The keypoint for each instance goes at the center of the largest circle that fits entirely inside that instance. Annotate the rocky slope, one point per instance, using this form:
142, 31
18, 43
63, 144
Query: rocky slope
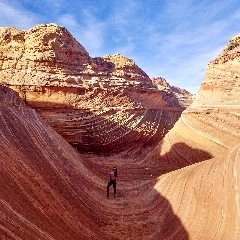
204, 146
186, 188
212, 121
220, 88
96, 104
43, 191
184, 97
50, 191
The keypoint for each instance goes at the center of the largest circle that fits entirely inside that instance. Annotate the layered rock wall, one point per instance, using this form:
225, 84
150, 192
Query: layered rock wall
42, 185
186, 188
203, 149
94, 103
212, 121
205, 198
221, 86
49, 191
184, 97
52, 192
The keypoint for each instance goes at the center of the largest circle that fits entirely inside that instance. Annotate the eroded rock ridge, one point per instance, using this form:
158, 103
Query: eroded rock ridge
184, 97
97, 104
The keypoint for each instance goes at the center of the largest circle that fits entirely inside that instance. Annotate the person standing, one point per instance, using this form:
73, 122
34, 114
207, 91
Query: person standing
112, 180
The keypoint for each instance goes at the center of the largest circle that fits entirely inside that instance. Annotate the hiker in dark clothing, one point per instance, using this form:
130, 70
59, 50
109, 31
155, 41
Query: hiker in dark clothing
112, 181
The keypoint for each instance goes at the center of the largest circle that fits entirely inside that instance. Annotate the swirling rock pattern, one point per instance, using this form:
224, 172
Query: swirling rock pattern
205, 197
203, 148
186, 188
79, 96
39, 175
211, 123
50, 191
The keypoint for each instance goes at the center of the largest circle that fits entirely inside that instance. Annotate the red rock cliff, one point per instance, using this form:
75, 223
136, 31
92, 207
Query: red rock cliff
42, 182
184, 97
96, 104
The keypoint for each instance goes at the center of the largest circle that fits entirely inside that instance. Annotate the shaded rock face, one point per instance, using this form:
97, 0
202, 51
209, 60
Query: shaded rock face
9, 97
205, 195
96, 104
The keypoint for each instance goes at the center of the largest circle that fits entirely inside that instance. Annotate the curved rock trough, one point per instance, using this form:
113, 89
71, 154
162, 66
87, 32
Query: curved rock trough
178, 177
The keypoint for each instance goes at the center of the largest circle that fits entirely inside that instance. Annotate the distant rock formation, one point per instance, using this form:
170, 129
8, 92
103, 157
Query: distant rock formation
96, 104
184, 97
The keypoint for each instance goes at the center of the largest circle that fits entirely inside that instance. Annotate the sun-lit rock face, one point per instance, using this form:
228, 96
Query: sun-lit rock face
221, 87
203, 149
186, 188
96, 104
126, 68
211, 123
205, 197
184, 97
50, 191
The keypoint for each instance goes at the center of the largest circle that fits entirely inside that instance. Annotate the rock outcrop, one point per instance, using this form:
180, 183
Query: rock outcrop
212, 121
220, 88
96, 104
184, 97
203, 148
50, 191
186, 188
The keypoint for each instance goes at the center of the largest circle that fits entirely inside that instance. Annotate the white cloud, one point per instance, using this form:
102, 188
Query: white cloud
89, 32
16, 17
182, 53
68, 21
124, 12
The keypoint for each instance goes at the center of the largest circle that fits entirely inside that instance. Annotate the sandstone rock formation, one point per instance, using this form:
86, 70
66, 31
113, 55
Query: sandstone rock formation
186, 188
205, 198
220, 88
204, 146
43, 193
52, 192
184, 97
212, 121
96, 104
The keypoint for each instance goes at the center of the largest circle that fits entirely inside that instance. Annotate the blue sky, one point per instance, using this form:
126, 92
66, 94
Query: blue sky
167, 38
